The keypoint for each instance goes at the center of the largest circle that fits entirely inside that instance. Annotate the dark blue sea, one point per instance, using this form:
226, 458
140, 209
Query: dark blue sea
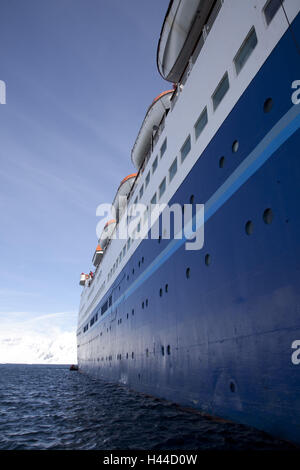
50, 407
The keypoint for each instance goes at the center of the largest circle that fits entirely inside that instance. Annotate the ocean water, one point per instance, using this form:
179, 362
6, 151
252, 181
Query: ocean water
50, 407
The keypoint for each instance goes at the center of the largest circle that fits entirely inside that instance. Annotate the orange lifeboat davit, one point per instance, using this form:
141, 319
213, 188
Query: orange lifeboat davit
153, 117
120, 199
182, 27
107, 232
97, 256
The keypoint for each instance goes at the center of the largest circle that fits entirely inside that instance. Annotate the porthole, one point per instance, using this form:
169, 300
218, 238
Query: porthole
127, 356
139, 264
192, 199
127, 277
207, 259
166, 287
168, 350
143, 305
146, 302
147, 352
127, 315
235, 146
133, 271
162, 351
132, 311
249, 227
142, 259
132, 355
268, 104
160, 292
232, 387
268, 216
159, 239
188, 273
222, 162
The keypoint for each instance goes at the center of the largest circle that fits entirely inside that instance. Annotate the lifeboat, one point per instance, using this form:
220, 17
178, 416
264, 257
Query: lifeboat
151, 121
182, 27
125, 186
107, 232
97, 256
83, 278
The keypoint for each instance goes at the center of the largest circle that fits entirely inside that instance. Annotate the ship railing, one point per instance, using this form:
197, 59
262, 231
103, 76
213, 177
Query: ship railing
201, 41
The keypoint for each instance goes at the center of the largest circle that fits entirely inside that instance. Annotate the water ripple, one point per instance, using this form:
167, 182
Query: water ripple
49, 407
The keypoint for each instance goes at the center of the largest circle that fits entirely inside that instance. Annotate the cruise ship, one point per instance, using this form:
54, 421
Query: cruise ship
215, 326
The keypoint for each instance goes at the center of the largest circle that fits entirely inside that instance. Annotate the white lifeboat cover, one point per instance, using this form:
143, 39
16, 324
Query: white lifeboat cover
180, 31
107, 232
97, 255
153, 117
123, 190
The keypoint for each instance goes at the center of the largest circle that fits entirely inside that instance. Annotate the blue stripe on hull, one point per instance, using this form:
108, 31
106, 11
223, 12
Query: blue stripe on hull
229, 326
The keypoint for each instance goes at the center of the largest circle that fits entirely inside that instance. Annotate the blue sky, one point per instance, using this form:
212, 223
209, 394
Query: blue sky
79, 77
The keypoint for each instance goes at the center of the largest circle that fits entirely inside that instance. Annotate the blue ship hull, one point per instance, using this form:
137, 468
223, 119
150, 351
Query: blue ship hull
220, 340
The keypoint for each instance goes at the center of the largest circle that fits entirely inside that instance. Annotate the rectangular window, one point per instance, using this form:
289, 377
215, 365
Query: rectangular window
153, 200
163, 148
104, 308
154, 165
141, 191
147, 179
245, 51
185, 148
136, 200
162, 187
270, 9
124, 250
173, 170
128, 243
220, 91
201, 123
